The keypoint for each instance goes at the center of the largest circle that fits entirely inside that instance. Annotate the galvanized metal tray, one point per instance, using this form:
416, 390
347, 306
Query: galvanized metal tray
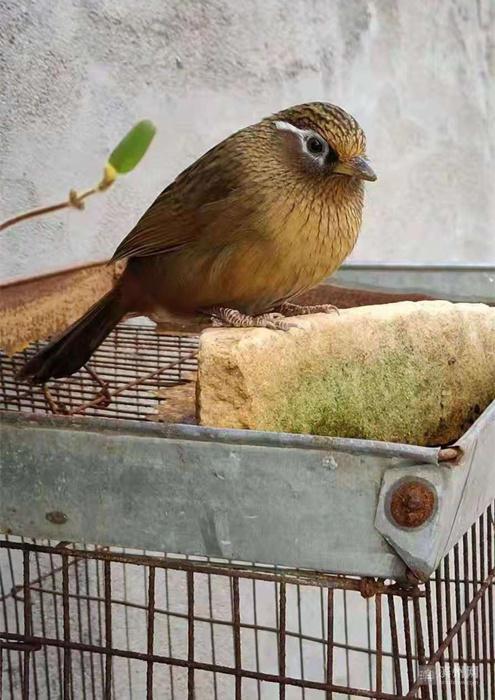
329, 504
297, 501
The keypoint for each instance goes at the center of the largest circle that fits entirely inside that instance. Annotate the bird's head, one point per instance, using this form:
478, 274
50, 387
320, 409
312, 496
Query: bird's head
323, 140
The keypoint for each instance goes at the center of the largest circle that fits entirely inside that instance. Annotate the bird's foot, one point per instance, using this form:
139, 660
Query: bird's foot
298, 310
222, 316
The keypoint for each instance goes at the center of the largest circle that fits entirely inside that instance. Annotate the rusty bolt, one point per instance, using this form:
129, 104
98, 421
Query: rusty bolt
56, 517
412, 503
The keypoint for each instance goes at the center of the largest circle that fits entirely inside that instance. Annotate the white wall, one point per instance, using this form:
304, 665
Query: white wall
76, 74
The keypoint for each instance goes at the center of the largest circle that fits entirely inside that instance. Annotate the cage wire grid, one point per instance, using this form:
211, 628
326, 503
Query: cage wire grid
123, 379
80, 621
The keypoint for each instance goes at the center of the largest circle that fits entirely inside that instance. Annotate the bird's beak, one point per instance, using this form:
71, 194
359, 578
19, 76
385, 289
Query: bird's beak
356, 167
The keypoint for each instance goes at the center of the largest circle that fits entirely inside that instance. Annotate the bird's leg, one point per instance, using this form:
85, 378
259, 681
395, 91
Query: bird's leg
224, 316
287, 309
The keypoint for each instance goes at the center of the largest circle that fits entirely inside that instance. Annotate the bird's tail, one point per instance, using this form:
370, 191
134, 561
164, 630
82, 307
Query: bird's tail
69, 351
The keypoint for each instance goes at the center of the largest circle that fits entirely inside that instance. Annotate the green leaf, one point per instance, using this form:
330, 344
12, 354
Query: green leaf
133, 146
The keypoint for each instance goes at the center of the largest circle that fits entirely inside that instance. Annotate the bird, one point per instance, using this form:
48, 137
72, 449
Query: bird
263, 216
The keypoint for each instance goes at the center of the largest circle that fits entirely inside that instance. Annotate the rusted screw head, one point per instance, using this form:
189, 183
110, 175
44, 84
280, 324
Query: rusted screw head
412, 503
56, 517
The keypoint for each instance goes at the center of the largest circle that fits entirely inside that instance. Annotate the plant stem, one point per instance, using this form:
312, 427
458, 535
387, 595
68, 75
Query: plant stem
31, 214
75, 200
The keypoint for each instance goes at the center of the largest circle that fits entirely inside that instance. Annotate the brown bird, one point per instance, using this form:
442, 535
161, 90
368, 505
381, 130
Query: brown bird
261, 217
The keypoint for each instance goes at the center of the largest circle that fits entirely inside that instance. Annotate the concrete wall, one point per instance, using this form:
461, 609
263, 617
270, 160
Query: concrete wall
76, 74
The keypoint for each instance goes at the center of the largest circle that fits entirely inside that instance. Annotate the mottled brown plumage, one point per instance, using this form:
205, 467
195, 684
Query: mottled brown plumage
260, 218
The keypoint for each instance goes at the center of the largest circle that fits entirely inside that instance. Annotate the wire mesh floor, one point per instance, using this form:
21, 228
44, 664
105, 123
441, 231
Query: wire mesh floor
123, 379
88, 622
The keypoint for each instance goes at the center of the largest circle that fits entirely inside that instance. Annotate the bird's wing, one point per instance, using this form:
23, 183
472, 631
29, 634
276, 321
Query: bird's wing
156, 231
175, 219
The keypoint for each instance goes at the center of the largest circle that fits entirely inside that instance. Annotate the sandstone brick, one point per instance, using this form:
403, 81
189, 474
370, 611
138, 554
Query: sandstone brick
412, 372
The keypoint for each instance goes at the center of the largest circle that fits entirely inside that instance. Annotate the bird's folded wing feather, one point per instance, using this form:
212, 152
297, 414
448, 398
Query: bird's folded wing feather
159, 230
182, 212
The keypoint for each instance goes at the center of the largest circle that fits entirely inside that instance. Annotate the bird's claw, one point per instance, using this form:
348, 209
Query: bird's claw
289, 309
328, 309
279, 325
231, 317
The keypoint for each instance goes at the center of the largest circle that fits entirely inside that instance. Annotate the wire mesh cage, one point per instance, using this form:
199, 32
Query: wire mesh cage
95, 621
123, 380
92, 623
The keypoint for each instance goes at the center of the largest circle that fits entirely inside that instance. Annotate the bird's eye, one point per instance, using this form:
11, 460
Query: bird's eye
315, 145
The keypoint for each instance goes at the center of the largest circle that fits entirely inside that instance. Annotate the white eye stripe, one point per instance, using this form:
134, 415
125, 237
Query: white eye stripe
286, 126
304, 136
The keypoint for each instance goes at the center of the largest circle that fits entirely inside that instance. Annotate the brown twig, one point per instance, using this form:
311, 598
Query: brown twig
106, 396
31, 214
105, 391
54, 407
75, 200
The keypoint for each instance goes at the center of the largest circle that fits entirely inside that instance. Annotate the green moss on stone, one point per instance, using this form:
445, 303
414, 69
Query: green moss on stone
346, 401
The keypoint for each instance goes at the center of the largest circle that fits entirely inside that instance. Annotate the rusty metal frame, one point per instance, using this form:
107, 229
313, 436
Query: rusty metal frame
434, 630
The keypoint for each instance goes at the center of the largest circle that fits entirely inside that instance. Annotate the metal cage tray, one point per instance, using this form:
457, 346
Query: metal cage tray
292, 500
298, 501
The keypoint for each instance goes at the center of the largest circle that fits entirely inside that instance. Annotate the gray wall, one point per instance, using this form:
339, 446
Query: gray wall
75, 74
